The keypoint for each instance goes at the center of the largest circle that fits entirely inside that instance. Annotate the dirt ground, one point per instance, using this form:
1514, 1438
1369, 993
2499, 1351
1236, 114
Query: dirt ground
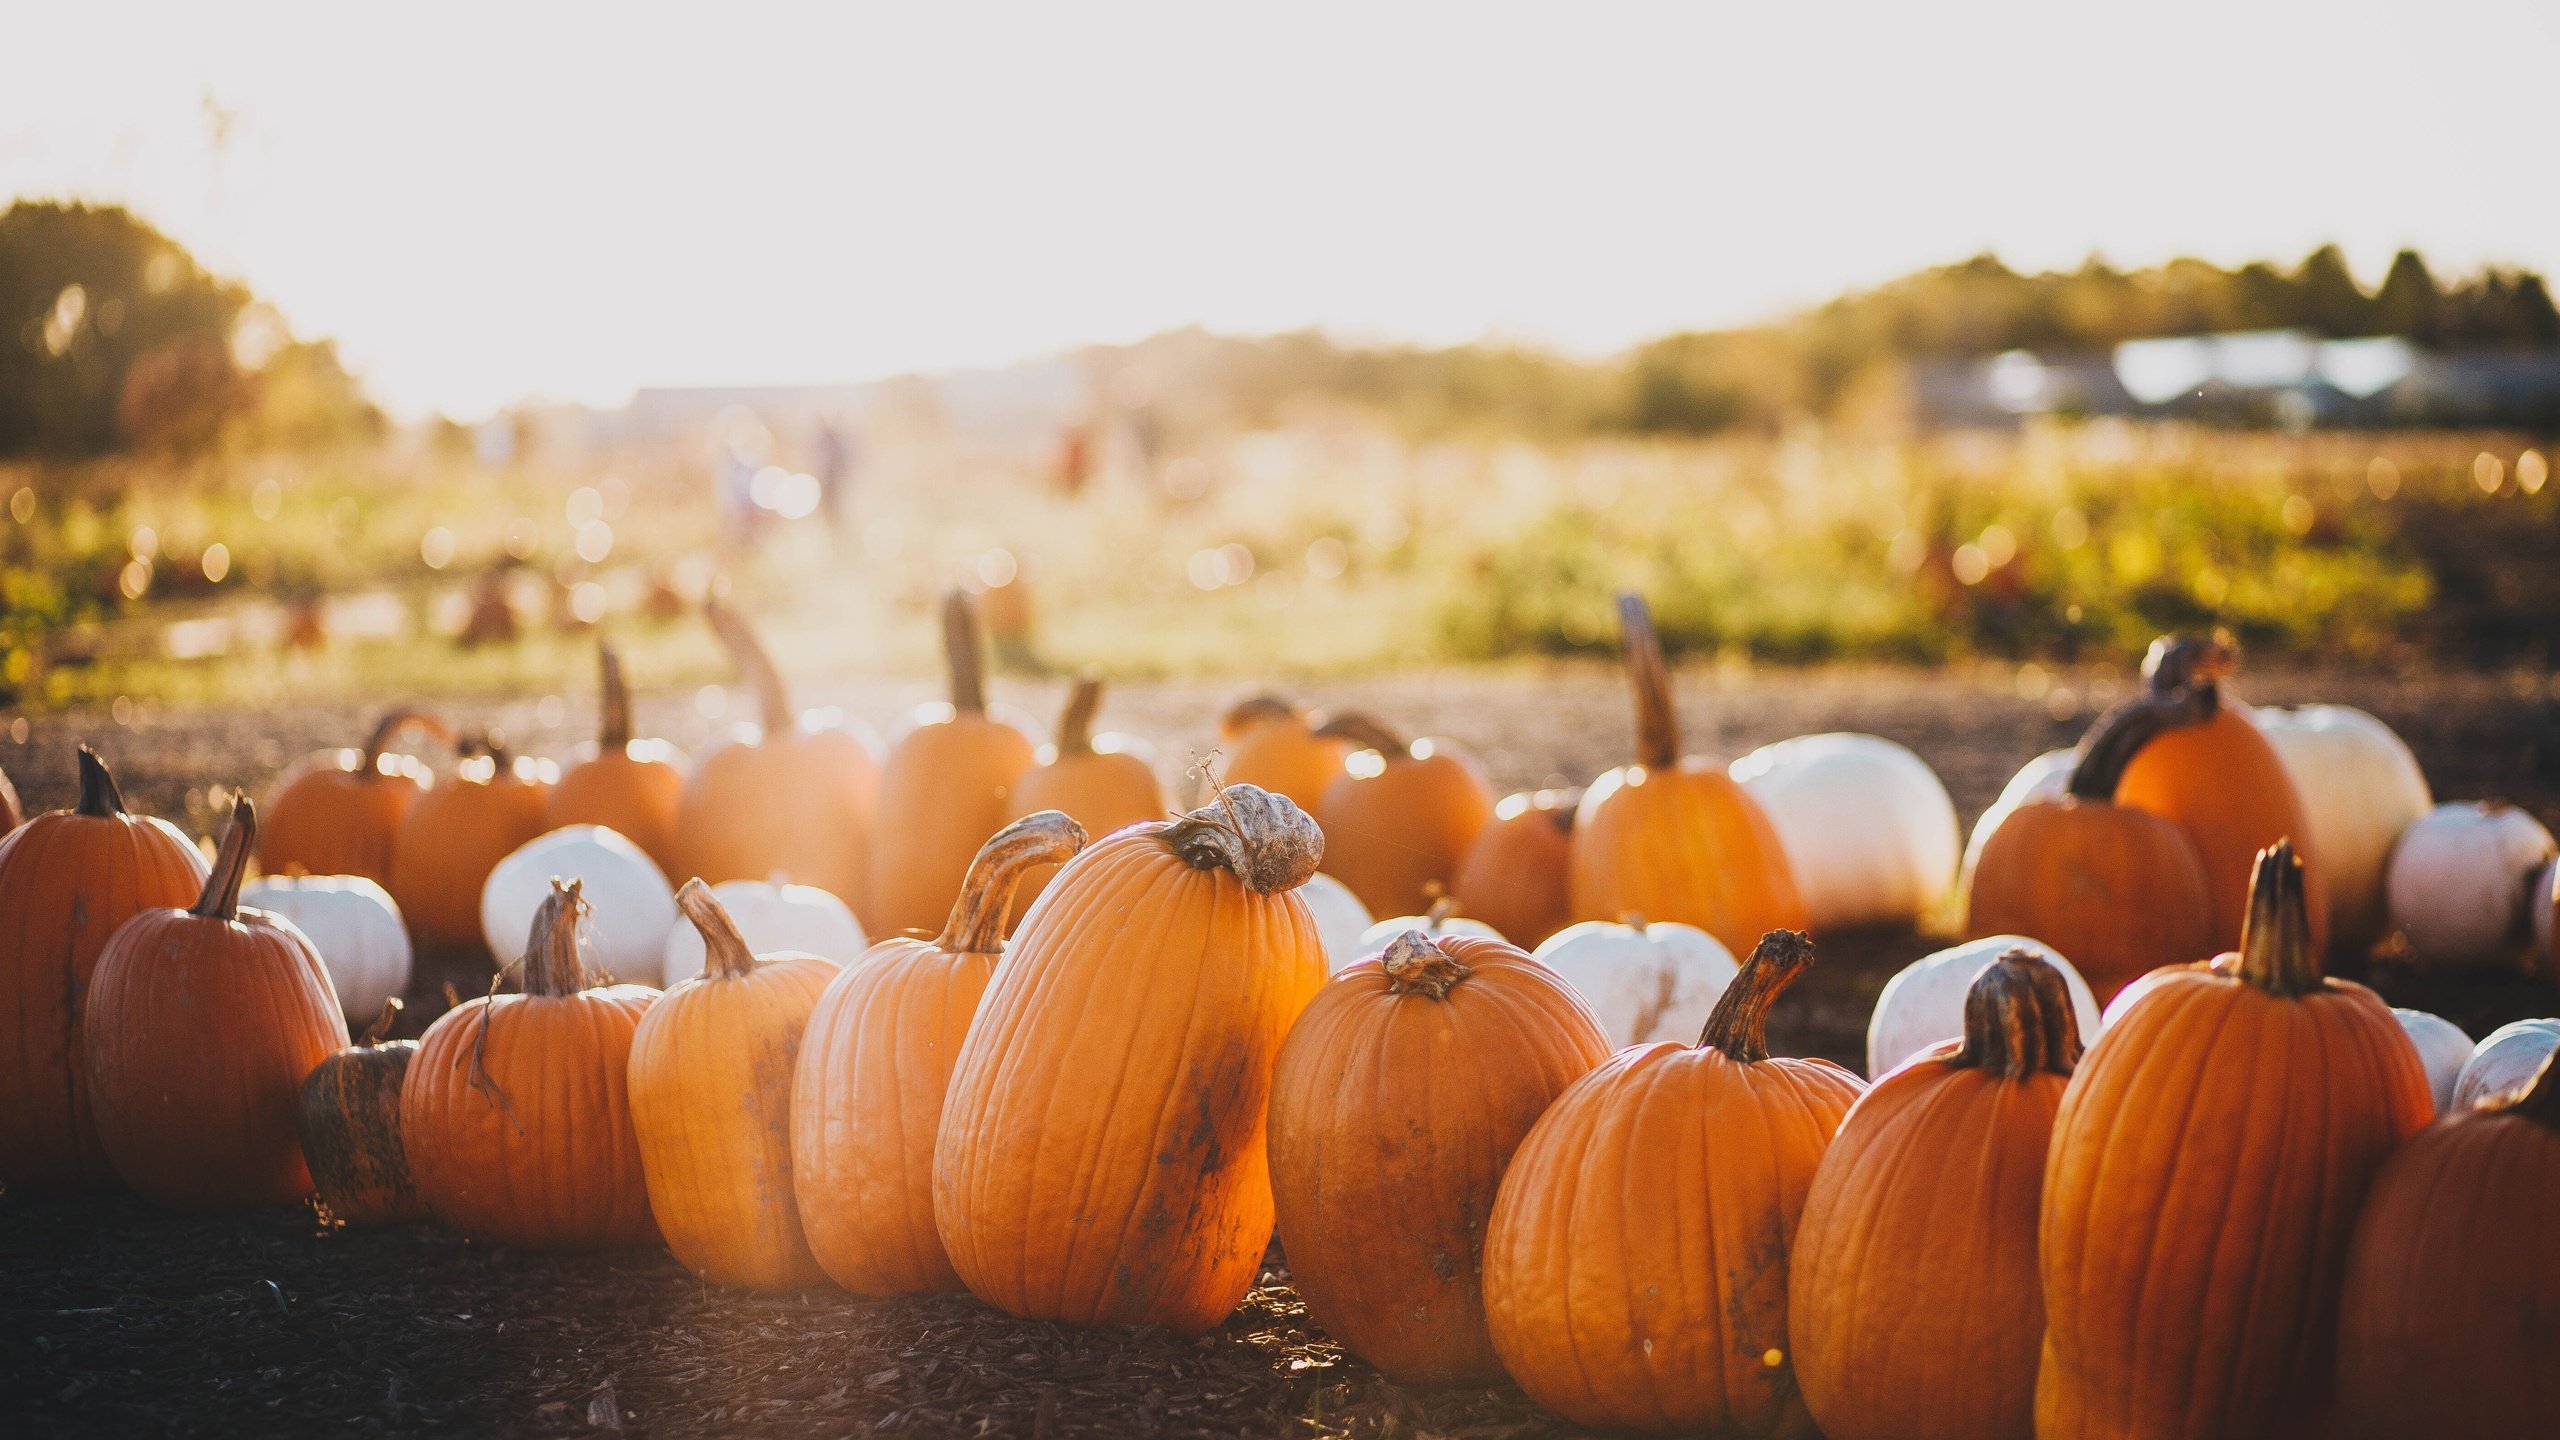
115, 1320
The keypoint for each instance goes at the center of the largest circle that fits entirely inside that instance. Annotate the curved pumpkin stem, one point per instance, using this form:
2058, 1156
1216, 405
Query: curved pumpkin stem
1739, 1025
1256, 710
1262, 839
554, 962
1436, 919
2121, 733
1416, 966
755, 666
725, 952
965, 649
2276, 953
1075, 723
2018, 1019
1366, 731
1657, 723
613, 723
2539, 1101
976, 926
383, 1022
99, 795
2190, 662
220, 899
390, 728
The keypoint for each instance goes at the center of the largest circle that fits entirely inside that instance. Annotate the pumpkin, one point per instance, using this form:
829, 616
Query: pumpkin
769, 918
1395, 1105
2450, 1322
1272, 743
354, 925
634, 788
10, 814
947, 786
201, 1025
630, 909
1635, 1265
516, 1112
1925, 1003
2360, 788
1913, 1299
2463, 882
2442, 1048
455, 835
337, 812
711, 1068
1101, 1153
68, 879
2046, 777
1399, 816
1673, 838
794, 800
2504, 1059
1441, 920
1102, 782
2206, 1166
876, 1065
1518, 875
1644, 982
348, 1119
2546, 916
1867, 827
1342, 922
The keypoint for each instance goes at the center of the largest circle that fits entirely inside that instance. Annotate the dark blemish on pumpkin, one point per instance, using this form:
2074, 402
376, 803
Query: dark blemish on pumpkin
1444, 1265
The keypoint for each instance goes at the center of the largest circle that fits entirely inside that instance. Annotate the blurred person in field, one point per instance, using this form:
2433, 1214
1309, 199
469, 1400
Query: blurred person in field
838, 459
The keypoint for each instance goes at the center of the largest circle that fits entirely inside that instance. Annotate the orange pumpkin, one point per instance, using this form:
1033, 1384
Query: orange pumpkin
1913, 1299
1272, 743
516, 1113
1635, 1268
877, 1062
1102, 784
336, 813
67, 880
10, 814
947, 786
711, 1068
1101, 1156
1518, 875
349, 1121
795, 800
1399, 817
2207, 1164
635, 787
1677, 839
1396, 1104
456, 833
202, 1024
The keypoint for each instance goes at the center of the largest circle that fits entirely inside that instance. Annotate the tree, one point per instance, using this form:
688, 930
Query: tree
2327, 298
2406, 304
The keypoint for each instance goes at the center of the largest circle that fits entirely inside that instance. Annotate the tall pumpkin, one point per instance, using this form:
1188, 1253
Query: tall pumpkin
877, 1062
1101, 782
456, 833
1396, 1104
201, 1025
1101, 1156
349, 1119
336, 812
1635, 1268
1273, 743
1913, 1300
67, 880
1673, 838
516, 1113
711, 1068
1518, 875
632, 787
2207, 1164
1399, 816
947, 786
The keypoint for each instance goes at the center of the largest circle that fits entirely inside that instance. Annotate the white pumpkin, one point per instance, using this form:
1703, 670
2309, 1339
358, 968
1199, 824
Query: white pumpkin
2044, 777
1923, 1003
2546, 916
356, 928
772, 917
1654, 983
2442, 1047
1866, 826
2505, 1060
1375, 938
2461, 880
2360, 788
631, 907
1340, 919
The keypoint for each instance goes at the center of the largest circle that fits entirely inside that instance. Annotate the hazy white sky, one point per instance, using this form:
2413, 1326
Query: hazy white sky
483, 202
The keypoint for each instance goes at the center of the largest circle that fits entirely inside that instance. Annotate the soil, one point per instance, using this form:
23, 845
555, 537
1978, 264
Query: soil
118, 1320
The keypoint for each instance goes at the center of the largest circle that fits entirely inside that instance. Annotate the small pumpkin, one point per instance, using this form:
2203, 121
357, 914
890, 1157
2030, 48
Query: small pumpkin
2360, 788
348, 1118
2463, 881
1926, 1001
338, 812
634, 788
1395, 1106
1672, 838
455, 835
877, 1063
1635, 1265
2504, 1059
1518, 875
202, 1024
1913, 1299
631, 910
1399, 816
1441, 921
1868, 828
1341, 920
1102, 782
1644, 982
354, 925
711, 1068
1273, 743
769, 918
2442, 1047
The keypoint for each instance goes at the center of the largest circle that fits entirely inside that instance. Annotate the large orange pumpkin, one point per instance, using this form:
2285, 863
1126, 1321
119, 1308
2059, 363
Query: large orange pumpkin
2207, 1164
1396, 1104
336, 812
634, 787
1398, 817
1101, 783
516, 1113
947, 786
456, 833
1518, 875
876, 1064
349, 1121
1273, 743
711, 1068
1101, 1156
1913, 1300
1670, 838
67, 880
201, 1025
1635, 1268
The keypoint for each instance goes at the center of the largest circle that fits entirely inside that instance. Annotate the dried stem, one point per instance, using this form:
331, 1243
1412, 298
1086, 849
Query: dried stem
390, 728
725, 952
2276, 953
755, 666
1263, 839
220, 899
1657, 723
965, 649
1075, 723
99, 797
613, 724
2018, 1019
1255, 710
1739, 1025
382, 1023
1366, 731
554, 960
1415, 965
2539, 1100
976, 926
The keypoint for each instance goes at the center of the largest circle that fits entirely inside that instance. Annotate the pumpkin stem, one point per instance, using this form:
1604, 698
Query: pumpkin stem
99, 797
755, 666
2276, 953
554, 962
962, 646
976, 926
725, 952
2121, 733
613, 724
1263, 839
220, 899
383, 1022
1739, 1025
1366, 731
1416, 966
1657, 723
1075, 723
1436, 919
389, 728
2190, 662
1255, 710
2539, 1100
2018, 1019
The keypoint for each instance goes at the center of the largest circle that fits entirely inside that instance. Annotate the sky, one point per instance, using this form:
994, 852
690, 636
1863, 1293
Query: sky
485, 203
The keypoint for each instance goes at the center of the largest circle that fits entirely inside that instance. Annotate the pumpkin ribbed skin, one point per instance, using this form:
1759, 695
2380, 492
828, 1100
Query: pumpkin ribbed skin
947, 787
67, 880
349, 1119
1101, 1157
1518, 875
1101, 787
2118, 891
1394, 1110
454, 835
336, 813
2224, 784
1269, 743
1398, 822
